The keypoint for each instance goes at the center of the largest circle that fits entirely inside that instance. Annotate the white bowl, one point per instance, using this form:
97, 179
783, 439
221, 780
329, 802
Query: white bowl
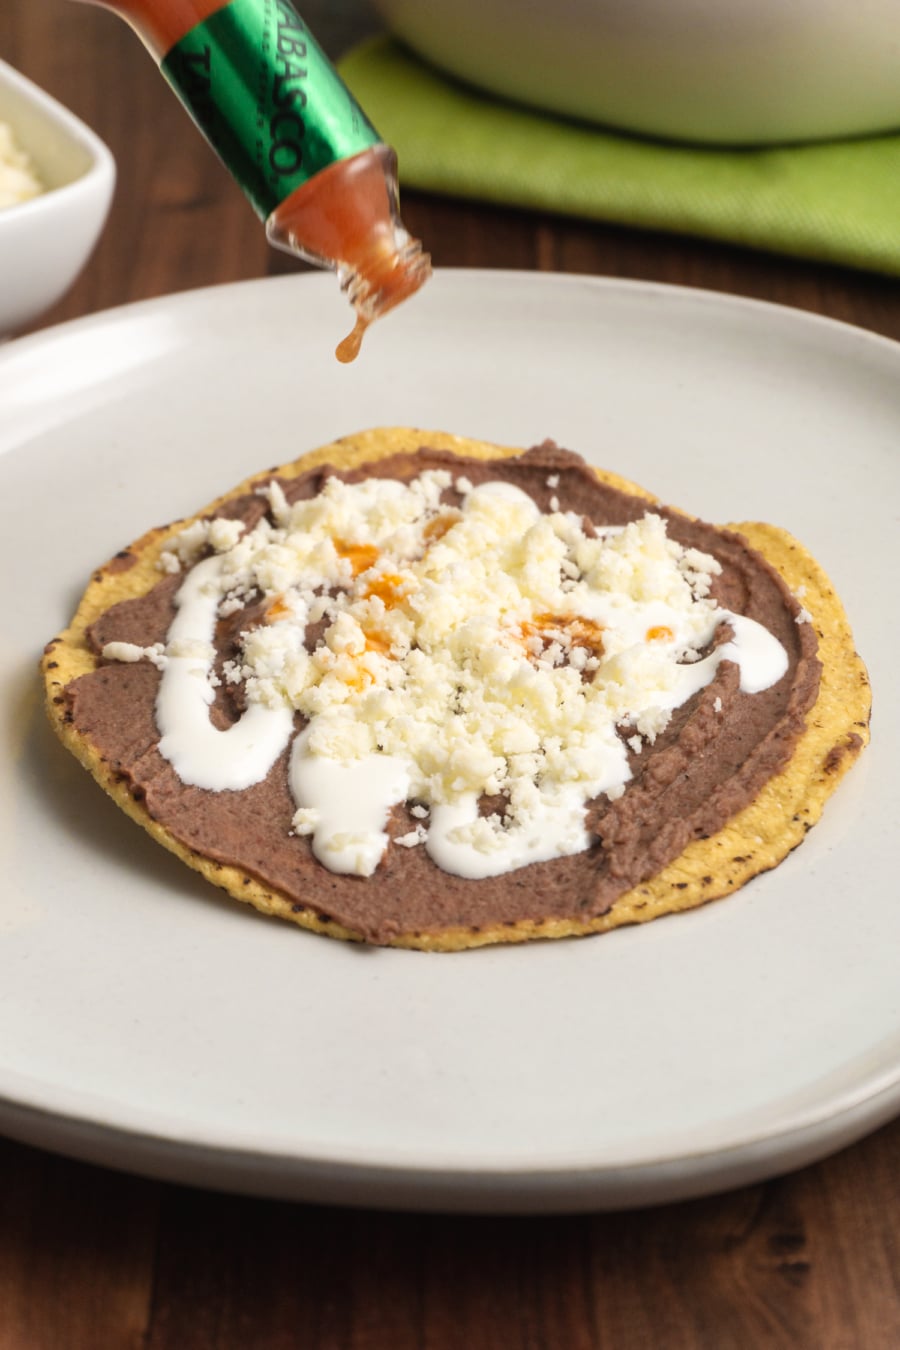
45, 242
715, 71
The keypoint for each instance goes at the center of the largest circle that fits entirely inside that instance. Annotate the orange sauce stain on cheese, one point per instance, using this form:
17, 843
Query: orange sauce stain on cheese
388, 587
438, 526
360, 556
576, 629
378, 642
277, 610
362, 677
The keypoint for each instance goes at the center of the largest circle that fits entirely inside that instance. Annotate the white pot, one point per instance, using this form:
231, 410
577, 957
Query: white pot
718, 71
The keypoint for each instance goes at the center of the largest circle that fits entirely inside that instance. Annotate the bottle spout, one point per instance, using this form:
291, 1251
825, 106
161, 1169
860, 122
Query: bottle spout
381, 282
347, 218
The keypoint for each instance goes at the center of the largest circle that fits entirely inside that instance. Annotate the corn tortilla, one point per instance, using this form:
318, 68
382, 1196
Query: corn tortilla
754, 840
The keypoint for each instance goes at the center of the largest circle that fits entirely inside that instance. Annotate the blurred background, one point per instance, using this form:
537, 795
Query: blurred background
755, 222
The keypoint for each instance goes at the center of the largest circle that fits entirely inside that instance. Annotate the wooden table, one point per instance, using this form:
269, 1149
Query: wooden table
93, 1259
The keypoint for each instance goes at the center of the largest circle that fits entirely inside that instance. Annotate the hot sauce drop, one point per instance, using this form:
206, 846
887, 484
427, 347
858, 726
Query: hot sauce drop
273, 107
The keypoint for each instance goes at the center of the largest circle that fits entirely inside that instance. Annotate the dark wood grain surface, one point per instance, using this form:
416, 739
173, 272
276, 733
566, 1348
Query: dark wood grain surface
93, 1259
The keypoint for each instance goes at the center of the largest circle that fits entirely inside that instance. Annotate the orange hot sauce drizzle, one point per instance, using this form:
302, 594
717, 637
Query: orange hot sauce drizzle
348, 348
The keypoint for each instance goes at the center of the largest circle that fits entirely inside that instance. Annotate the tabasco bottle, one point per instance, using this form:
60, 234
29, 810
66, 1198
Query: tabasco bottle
264, 94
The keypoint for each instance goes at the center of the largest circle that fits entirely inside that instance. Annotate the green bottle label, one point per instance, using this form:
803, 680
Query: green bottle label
266, 97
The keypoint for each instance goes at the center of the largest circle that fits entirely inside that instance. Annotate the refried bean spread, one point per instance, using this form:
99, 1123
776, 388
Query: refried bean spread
438, 855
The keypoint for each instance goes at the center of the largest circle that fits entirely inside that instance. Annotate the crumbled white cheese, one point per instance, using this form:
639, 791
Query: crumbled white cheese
18, 181
224, 534
490, 650
416, 836
803, 616
305, 820
499, 653
190, 543
230, 605
130, 652
218, 534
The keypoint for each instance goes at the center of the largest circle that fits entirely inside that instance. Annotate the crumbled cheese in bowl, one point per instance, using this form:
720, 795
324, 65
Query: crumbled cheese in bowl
18, 181
489, 663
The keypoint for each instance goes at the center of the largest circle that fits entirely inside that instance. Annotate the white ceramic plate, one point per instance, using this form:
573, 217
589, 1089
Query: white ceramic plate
148, 1022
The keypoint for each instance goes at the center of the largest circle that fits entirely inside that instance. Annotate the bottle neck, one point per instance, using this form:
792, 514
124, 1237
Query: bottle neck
348, 218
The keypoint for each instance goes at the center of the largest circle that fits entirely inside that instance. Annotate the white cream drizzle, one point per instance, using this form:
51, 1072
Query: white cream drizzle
201, 754
349, 804
371, 748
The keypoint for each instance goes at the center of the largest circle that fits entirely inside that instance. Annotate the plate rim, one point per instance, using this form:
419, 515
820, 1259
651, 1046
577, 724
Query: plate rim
436, 1188
635, 286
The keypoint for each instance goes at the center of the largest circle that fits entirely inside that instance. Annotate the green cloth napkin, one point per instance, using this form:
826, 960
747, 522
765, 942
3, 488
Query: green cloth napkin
837, 202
